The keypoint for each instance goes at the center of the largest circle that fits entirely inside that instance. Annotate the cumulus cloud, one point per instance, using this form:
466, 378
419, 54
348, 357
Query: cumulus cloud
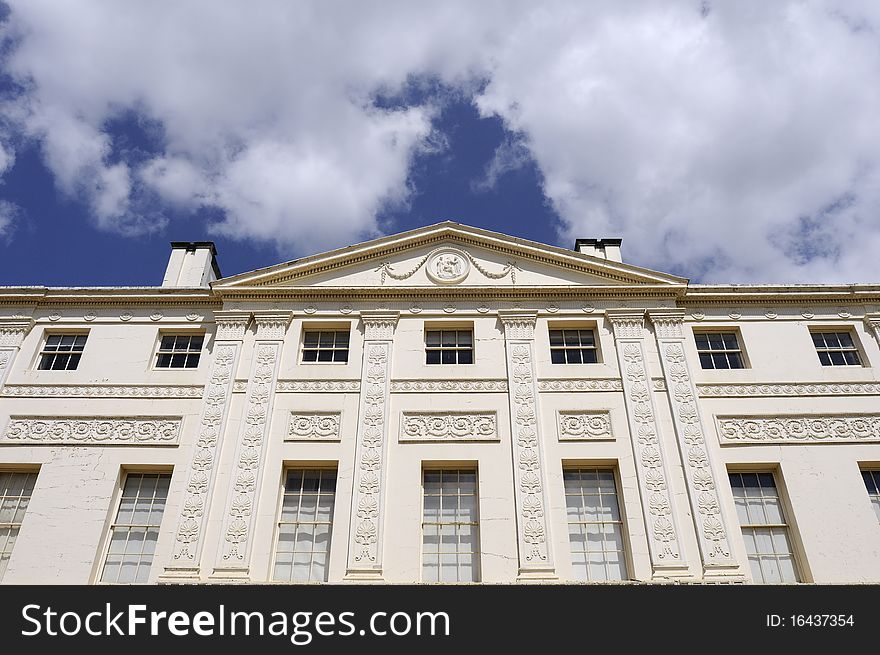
10, 213
724, 141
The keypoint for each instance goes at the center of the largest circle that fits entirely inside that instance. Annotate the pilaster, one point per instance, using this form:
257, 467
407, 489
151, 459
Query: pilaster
185, 565
12, 333
233, 558
706, 509
368, 493
664, 546
533, 530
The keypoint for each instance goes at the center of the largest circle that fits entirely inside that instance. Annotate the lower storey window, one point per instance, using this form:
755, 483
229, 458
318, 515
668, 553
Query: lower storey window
450, 526
15, 494
872, 483
134, 533
595, 529
306, 524
764, 527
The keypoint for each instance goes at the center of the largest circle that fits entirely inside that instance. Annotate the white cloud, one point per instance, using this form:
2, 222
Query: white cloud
10, 214
730, 141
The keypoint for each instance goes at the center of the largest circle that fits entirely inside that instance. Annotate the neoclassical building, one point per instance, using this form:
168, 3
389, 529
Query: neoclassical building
447, 404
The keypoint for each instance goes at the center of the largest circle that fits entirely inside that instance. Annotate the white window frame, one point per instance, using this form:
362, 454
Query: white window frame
474, 526
60, 333
740, 349
276, 537
574, 328
178, 333
114, 523
620, 522
457, 348
856, 347
321, 329
5, 548
785, 526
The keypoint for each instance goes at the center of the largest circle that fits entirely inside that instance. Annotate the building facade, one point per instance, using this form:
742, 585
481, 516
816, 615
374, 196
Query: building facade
443, 405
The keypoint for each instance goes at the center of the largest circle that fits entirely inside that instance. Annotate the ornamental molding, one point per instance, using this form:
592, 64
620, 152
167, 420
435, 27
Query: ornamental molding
379, 326
240, 508
784, 429
448, 426
272, 326
102, 390
584, 425
447, 266
13, 332
873, 322
231, 325
518, 325
535, 554
565, 385
365, 546
668, 324
757, 389
650, 467
202, 472
701, 484
311, 386
94, 430
314, 426
448, 386
627, 324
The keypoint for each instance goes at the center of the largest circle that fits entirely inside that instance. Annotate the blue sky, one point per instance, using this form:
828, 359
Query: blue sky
726, 142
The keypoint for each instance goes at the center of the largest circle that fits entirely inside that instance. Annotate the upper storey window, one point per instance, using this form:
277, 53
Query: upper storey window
179, 350
573, 347
836, 349
62, 352
325, 346
449, 347
719, 350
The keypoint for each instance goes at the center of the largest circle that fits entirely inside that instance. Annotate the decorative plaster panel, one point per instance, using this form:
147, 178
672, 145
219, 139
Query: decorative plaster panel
789, 389
84, 430
448, 426
313, 426
451, 386
827, 428
584, 426
564, 385
103, 391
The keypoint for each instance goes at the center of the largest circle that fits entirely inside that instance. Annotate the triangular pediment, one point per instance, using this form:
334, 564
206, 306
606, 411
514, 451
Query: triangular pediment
449, 255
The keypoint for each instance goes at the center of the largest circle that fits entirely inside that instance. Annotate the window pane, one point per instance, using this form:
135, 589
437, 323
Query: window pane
557, 356
432, 338
310, 355
706, 361
432, 357
310, 339
735, 360
572, 356
465, 356
305, 526
325, 355
465, 338
589, 356
448, 356
556, 338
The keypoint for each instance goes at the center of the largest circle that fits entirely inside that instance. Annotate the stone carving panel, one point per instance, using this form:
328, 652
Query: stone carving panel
117, 430
448, 426
313, 426
781, 429
584, 426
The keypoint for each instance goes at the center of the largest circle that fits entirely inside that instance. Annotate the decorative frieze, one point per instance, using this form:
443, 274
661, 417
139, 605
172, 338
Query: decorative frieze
535, 554
103, 390
584, 426
379, 326
90, 430
13, 332
757, 389
310, 386
785, 429
448, 386
565, 385
662, 531
448, 426
701, 484
313, 426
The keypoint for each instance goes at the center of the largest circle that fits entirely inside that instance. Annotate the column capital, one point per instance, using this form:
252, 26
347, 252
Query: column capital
272, 326
379, 326
627, 323
13, 331
231, 324
873, 322
668, 323
518, 325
